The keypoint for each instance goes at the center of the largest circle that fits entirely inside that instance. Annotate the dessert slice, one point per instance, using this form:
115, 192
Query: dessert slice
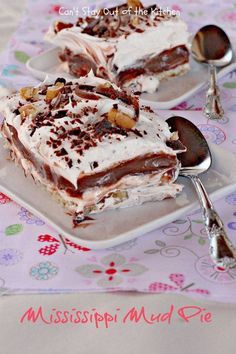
132, 46
89, 145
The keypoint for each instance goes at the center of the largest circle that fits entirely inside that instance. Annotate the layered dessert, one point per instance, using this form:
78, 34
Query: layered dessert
88, 143
133, 46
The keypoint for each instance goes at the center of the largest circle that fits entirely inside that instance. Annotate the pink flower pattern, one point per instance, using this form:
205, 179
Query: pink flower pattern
112, 270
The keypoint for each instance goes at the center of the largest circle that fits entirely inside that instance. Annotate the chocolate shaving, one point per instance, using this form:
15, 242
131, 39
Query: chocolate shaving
59, 26
104, 127
70, 163
74, 131
94, 164
16, 111
60, 114
60, 79
90, 28
137, 132
61, 152
33, 131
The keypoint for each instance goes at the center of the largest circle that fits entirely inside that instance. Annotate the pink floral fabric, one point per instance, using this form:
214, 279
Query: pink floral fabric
35, 259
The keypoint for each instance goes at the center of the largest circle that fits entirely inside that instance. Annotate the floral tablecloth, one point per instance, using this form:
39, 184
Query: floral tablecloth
35, 259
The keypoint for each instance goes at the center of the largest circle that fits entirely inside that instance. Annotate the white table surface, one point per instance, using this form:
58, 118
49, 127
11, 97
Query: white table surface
178, 337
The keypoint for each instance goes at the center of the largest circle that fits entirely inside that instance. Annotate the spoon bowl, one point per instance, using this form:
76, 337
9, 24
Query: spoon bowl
194, 161
211, 45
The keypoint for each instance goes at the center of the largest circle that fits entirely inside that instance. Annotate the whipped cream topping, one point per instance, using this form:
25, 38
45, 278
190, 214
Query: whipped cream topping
138, 46
71, 135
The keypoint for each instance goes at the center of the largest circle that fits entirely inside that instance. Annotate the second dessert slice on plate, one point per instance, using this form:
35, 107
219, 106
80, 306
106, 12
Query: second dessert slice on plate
133, 46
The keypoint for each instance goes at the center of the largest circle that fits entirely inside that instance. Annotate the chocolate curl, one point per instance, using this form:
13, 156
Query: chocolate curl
109, 91
130, 100
85, 94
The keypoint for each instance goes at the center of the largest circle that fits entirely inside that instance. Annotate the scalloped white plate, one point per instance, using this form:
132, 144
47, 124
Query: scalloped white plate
115, 227
171, 92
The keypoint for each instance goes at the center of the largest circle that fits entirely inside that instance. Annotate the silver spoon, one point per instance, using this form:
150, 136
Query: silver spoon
211, 45
196, 160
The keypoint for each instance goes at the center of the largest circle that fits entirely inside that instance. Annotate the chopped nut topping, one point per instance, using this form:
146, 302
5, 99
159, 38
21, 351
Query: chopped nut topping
29, 93
27, 110
135, 4
53, 91
135, 21
120, 119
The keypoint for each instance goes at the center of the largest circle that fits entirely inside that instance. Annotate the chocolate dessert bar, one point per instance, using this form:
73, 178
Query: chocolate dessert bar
90, 145
133, 46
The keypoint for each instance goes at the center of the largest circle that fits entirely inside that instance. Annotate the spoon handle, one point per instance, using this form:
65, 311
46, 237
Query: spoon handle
213, 108
222, 250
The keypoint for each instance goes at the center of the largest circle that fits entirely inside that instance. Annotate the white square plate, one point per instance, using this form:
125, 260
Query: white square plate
170, 93
114, 227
